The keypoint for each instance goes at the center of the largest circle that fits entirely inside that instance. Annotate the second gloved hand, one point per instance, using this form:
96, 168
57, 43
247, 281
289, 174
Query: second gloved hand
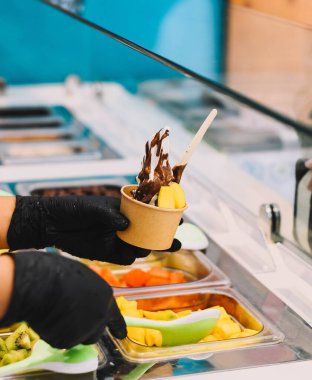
62, 300
82, 226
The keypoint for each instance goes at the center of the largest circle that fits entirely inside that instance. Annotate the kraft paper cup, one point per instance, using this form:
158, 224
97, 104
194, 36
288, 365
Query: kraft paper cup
150, 227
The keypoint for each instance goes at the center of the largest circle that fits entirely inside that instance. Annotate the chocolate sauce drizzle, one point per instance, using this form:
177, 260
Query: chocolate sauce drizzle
177, 172
150, 183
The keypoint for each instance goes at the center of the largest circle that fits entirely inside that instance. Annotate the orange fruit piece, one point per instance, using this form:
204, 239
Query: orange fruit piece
109, 277
156, 281
176, 277
159, 272
135, 278
96, 269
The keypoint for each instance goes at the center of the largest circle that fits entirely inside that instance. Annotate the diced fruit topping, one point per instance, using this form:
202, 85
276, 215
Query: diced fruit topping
171, 196
226, 327
137, 277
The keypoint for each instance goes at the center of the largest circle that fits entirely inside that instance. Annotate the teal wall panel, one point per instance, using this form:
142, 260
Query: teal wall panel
40, 44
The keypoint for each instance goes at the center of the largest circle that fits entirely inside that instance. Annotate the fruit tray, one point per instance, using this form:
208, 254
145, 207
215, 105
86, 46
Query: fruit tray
238, 308
196, 268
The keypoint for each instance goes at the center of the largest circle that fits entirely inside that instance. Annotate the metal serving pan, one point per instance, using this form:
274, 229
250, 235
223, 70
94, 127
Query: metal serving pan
49, 151
37, 123
198, 271
93, 186
235, 305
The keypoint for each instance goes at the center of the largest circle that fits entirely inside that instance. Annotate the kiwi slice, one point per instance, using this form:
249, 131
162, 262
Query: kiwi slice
33, 336
18, 345
3, 348
14, 356
18, 339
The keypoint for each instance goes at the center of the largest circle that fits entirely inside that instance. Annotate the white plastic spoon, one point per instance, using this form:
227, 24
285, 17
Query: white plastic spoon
180, 166
185, 330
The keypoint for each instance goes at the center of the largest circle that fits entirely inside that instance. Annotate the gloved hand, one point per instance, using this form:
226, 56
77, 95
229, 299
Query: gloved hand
64, 301
84, 226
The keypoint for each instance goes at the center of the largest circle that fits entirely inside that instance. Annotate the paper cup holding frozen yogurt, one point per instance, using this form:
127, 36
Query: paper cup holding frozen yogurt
150, 226
155, 206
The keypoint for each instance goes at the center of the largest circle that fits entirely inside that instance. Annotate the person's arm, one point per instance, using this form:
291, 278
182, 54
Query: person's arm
6, 283
7, 206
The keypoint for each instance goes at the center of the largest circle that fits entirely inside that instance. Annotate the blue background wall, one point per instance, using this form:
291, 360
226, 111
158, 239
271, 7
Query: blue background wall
40, 44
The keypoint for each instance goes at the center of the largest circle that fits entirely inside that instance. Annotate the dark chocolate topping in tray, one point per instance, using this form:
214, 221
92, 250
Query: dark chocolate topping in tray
103, 190
162, 175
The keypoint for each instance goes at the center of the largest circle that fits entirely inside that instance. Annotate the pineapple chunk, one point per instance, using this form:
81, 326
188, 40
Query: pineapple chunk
153, 338
183, 313
225, 329
209, 338
137, 334
163, 315
124, 304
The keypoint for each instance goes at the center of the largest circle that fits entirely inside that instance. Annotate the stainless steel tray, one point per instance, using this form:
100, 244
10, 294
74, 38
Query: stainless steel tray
37, 123
69, 187
235, 305
198, 270
17, 153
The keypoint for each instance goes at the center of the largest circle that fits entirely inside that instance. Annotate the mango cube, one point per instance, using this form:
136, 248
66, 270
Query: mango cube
153, 338
225, 329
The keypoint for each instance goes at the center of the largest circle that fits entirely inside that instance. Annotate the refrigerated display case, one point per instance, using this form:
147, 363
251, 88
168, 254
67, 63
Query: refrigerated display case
240, 187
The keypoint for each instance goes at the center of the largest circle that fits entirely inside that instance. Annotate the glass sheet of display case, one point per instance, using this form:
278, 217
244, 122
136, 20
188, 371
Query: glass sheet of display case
224, 45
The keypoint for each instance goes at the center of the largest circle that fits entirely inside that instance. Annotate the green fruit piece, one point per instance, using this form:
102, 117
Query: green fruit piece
3, 348
179, 196
33, 336
166, 197
163, 315
24, 341
14, 356
13, 342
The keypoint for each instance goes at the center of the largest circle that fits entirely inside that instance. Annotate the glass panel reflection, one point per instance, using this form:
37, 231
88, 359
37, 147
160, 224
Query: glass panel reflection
256, 58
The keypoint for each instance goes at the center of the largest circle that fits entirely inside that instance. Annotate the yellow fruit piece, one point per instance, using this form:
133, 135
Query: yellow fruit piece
183, 313
137, 334
171, 196
163, 315
225, 329
217, 336
223, 314
235, 335
153, 338
209, 338
132, 313
179, 196
166, 197
124, 304
249, 332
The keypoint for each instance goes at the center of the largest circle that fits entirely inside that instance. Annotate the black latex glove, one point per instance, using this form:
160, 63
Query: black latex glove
64, 301
84, 226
